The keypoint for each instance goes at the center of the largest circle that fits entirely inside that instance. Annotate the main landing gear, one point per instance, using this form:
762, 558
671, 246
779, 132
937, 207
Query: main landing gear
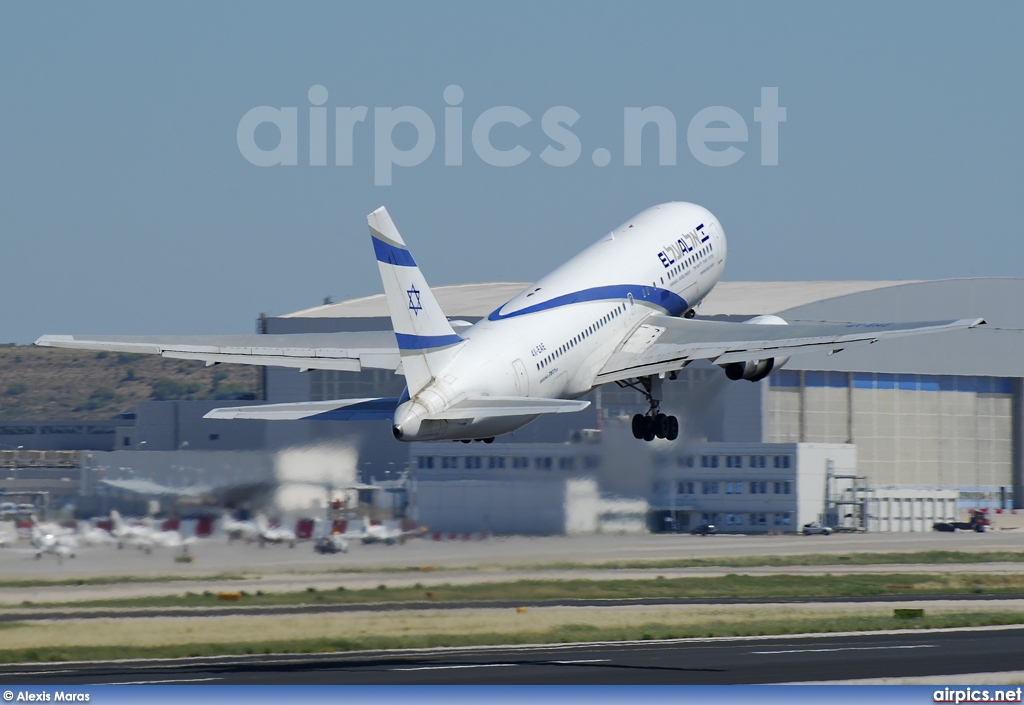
653, 424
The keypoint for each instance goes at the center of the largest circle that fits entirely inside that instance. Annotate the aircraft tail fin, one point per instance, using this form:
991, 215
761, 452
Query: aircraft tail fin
425, 338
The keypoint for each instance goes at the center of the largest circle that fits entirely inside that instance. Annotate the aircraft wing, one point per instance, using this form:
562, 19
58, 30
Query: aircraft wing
349, 351
663, 343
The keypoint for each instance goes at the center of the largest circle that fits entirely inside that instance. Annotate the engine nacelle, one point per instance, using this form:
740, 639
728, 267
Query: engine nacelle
756, 370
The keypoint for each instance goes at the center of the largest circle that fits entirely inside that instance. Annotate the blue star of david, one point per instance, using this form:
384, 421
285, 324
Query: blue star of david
414, 300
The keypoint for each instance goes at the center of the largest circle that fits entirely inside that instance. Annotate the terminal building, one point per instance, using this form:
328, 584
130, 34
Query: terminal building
887, 437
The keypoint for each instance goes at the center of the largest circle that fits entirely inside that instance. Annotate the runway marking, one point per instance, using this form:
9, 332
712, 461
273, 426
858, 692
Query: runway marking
584, 660
847, 648
466, 665
169, 680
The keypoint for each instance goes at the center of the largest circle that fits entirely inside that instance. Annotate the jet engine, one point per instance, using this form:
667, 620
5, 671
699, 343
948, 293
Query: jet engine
756, 370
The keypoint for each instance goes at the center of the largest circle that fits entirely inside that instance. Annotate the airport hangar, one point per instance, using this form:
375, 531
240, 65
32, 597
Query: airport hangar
887, 438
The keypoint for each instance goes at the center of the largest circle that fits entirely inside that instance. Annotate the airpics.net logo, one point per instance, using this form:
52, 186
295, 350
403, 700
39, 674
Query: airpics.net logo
712, 134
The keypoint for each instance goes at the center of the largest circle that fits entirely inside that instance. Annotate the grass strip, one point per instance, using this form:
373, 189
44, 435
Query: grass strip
562, 634
728, 586
808, 559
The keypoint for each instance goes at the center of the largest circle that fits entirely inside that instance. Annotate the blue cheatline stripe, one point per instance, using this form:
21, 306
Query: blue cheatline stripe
383, 408
673, 303
425, 342
392, 255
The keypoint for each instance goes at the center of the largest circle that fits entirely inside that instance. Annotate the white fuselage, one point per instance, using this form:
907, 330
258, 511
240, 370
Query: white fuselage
554, 338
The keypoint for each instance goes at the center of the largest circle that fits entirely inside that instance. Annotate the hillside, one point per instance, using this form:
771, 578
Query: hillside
48, 383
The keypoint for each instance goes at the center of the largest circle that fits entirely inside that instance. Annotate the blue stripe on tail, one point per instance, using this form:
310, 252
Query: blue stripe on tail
425, 342
389, 254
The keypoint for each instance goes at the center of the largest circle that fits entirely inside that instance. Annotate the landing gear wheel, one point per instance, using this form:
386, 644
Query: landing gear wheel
660, 425
638, 426
672, 428
648, 429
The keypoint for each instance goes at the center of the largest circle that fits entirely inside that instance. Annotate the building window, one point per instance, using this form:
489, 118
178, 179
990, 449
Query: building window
709, 461
758, 461
566, 463
214, 436
781, 461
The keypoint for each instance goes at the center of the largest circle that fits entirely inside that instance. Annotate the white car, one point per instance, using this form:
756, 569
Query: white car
816, 529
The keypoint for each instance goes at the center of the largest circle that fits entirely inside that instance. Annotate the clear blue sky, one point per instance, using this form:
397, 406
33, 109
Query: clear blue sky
128, 206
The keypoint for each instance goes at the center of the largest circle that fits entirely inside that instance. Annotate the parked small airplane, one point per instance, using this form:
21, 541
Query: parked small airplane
620, 311
145, 537
89, 535
238, 529
386, 533
60, 545
274, 534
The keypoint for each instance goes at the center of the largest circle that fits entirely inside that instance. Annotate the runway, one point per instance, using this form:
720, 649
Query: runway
223, 566
721, 661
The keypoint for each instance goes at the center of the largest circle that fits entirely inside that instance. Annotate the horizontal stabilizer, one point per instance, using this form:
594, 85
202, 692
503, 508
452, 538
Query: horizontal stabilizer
480, 407
333, 410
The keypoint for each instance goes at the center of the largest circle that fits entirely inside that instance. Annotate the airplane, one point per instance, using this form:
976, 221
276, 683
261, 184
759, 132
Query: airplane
273, 534
145, 537
245, 530
384, 533
60, 545
94, 535
621, 311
